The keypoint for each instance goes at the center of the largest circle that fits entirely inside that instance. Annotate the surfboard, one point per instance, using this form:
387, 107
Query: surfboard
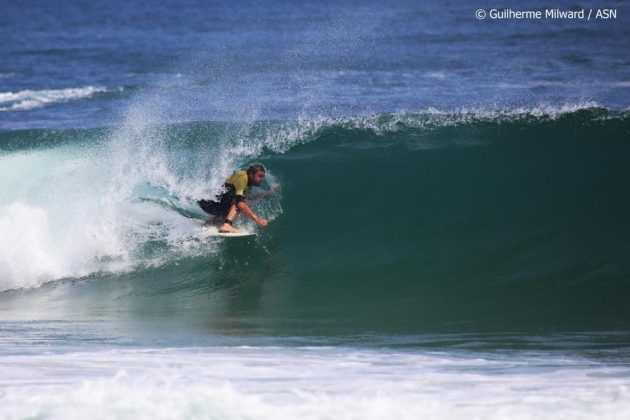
211, 230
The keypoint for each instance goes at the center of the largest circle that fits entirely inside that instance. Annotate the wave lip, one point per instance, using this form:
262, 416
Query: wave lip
31, 99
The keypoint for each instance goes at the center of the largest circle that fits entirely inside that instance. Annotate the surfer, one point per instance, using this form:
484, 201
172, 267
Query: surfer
233, 199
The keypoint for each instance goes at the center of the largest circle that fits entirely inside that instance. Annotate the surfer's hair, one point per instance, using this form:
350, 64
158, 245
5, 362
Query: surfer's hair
253, 168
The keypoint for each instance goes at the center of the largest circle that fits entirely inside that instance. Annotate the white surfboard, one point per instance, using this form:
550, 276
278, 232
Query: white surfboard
211, 230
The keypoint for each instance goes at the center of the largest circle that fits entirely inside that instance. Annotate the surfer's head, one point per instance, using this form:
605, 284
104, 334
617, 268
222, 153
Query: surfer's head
256, 174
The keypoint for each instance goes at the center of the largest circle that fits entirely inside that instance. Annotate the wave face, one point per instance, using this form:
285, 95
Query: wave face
395, 222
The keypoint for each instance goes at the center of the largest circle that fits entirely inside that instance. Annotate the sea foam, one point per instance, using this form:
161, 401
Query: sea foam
31, 99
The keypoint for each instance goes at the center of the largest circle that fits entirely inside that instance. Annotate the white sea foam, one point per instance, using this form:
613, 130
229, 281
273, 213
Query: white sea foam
66, 212
31, 99
309, 383
435, 75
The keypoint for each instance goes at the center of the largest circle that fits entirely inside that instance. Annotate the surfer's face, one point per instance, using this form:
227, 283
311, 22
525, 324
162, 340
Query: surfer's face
257, 178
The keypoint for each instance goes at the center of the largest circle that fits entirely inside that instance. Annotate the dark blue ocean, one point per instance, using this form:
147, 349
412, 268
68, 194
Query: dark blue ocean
81, 64
450, 237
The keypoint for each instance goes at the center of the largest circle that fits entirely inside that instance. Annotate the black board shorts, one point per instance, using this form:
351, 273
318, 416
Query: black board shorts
220, 206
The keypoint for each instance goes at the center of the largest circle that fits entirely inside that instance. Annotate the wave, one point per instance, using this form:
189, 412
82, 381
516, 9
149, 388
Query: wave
31, 99
312, 383
475, 217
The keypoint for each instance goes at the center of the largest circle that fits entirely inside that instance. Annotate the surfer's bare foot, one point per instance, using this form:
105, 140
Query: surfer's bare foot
227, 228
209, 223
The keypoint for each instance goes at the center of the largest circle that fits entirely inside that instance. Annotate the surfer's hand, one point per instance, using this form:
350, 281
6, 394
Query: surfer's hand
262, 222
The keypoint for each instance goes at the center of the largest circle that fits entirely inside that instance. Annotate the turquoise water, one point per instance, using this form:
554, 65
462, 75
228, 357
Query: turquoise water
400, 224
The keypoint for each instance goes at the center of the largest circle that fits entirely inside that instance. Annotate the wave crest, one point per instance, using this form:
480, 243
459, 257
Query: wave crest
31, 99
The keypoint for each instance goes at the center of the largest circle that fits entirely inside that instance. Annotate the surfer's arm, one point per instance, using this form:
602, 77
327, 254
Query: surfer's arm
247, 211
254, 197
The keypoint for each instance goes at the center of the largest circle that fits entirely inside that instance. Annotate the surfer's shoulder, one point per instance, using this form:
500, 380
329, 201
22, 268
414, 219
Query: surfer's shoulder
236, 176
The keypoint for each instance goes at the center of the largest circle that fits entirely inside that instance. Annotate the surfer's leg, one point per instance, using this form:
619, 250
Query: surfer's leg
229, 218
216, 212
208, 206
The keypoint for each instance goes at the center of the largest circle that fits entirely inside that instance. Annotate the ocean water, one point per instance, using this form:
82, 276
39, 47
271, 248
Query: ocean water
450, 240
